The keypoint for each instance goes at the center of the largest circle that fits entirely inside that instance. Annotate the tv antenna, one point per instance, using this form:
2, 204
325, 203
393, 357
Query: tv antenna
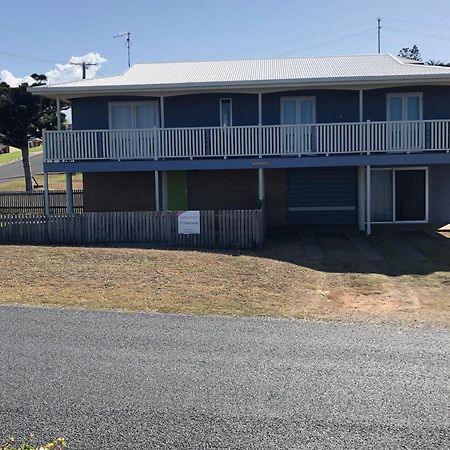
379, 33
127, 44
84, 65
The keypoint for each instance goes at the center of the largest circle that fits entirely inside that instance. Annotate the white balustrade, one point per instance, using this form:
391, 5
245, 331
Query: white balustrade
248, 141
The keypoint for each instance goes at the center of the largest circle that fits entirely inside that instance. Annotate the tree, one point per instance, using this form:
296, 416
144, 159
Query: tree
412, 53
23, 115
437, 62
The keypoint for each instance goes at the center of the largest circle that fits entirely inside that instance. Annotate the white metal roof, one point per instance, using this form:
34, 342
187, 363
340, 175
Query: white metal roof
254, 73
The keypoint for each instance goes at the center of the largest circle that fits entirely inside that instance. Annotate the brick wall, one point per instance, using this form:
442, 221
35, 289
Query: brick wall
208, 189
238, 189
119, 191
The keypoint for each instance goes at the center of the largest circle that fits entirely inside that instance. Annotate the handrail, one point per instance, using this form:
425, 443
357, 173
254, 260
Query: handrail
248, 141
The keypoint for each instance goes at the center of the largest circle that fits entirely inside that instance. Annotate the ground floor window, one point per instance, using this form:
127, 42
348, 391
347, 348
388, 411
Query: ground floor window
399, 195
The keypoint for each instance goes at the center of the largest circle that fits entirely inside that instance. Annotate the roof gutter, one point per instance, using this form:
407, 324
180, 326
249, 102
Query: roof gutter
356, 82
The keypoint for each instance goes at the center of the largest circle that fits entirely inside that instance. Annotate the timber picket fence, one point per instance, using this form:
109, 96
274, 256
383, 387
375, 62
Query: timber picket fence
241, 229
12, 202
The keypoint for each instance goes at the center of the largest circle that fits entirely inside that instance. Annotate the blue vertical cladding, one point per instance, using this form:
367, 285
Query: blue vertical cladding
91, 113
319, 189
436, 102
439, 194
197, 110
332, 106
203, 110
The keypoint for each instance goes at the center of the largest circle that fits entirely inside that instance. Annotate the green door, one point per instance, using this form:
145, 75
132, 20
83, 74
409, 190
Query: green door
178, 190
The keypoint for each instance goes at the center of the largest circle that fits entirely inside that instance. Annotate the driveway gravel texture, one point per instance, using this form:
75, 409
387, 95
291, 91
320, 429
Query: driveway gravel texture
114, 380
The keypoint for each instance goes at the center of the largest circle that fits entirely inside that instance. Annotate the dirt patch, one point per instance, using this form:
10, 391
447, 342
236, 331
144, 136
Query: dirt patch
196, 282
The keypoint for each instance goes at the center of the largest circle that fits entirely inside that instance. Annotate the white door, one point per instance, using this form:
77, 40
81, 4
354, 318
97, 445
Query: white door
298, 114
405, 110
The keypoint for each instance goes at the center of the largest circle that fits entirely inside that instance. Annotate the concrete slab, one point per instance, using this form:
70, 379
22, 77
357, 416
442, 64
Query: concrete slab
311, 246
364, 246
407, 250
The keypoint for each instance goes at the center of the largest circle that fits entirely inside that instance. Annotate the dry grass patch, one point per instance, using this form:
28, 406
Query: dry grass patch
217, 283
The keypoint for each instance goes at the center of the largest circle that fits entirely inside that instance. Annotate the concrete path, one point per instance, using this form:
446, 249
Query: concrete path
155, 381
15, 169
311, 245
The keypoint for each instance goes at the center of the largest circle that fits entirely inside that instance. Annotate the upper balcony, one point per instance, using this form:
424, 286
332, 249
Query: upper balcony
263, 141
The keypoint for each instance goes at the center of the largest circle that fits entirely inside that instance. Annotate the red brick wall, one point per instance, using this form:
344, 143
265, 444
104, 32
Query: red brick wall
119, 191
208, 189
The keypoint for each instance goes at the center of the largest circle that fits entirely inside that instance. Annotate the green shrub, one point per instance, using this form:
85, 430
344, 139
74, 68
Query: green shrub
57, 444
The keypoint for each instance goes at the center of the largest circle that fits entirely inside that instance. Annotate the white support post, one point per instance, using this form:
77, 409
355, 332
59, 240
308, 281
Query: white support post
69, 193
165, 191
46, 195
261, 189
361, 105
368, 199
161, 107
260, 143
58, 113
361, 198
157, 206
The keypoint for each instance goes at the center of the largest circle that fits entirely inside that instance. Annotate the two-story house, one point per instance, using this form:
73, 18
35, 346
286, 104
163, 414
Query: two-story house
320, 140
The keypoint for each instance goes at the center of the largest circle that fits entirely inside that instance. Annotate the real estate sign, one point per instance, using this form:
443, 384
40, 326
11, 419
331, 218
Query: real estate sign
189, 222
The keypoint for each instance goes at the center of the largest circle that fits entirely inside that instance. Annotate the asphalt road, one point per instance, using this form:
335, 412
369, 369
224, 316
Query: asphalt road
15, 169
154, 381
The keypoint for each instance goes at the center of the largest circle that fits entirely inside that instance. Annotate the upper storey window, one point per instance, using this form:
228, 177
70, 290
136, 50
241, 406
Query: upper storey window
132, 115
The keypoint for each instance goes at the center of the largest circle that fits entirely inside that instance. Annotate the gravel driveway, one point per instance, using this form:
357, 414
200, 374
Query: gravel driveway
111, 380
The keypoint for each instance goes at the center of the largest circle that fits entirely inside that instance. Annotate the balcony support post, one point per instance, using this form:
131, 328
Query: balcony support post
261, 189
165, 190
368, 200
260, 144
58, 113
69, 193
361, 198
46, 195
157, 205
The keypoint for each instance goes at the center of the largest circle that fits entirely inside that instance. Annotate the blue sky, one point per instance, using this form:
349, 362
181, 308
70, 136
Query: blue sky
168, 30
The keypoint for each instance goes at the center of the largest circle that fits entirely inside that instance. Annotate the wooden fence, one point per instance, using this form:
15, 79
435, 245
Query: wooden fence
241, 229
33, 202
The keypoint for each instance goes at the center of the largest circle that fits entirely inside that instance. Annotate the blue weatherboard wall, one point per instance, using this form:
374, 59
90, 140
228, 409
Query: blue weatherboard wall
199, 110
321, 188
91, 113
331, 105
436, 101
439, 207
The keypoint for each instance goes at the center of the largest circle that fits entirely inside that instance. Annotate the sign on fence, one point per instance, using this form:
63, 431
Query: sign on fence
189, 222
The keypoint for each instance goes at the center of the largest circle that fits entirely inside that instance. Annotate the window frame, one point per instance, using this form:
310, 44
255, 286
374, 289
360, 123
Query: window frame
221, 100
427, 196
404, 96
298, 99
133, 105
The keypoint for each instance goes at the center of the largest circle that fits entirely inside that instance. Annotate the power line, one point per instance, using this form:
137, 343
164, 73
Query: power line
322, 44
418, 33
363, 45
411, 22
271, 45
29, 58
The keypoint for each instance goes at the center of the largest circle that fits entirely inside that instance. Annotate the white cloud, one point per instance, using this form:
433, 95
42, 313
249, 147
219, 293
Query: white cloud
9, 78
62, 72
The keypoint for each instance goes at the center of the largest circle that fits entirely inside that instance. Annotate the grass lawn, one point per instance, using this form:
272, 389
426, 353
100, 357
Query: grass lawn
277, 281
16, 155
56, 181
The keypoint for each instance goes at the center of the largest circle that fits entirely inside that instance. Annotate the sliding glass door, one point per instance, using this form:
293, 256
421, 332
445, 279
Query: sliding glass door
399, 195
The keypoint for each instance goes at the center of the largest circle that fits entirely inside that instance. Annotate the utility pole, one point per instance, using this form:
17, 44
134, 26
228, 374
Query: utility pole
379, 34
127, 44
84, 65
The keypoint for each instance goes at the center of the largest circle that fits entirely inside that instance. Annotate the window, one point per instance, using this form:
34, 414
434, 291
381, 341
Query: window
399, 195
405, 106
130, 115
298, 110
226, 119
